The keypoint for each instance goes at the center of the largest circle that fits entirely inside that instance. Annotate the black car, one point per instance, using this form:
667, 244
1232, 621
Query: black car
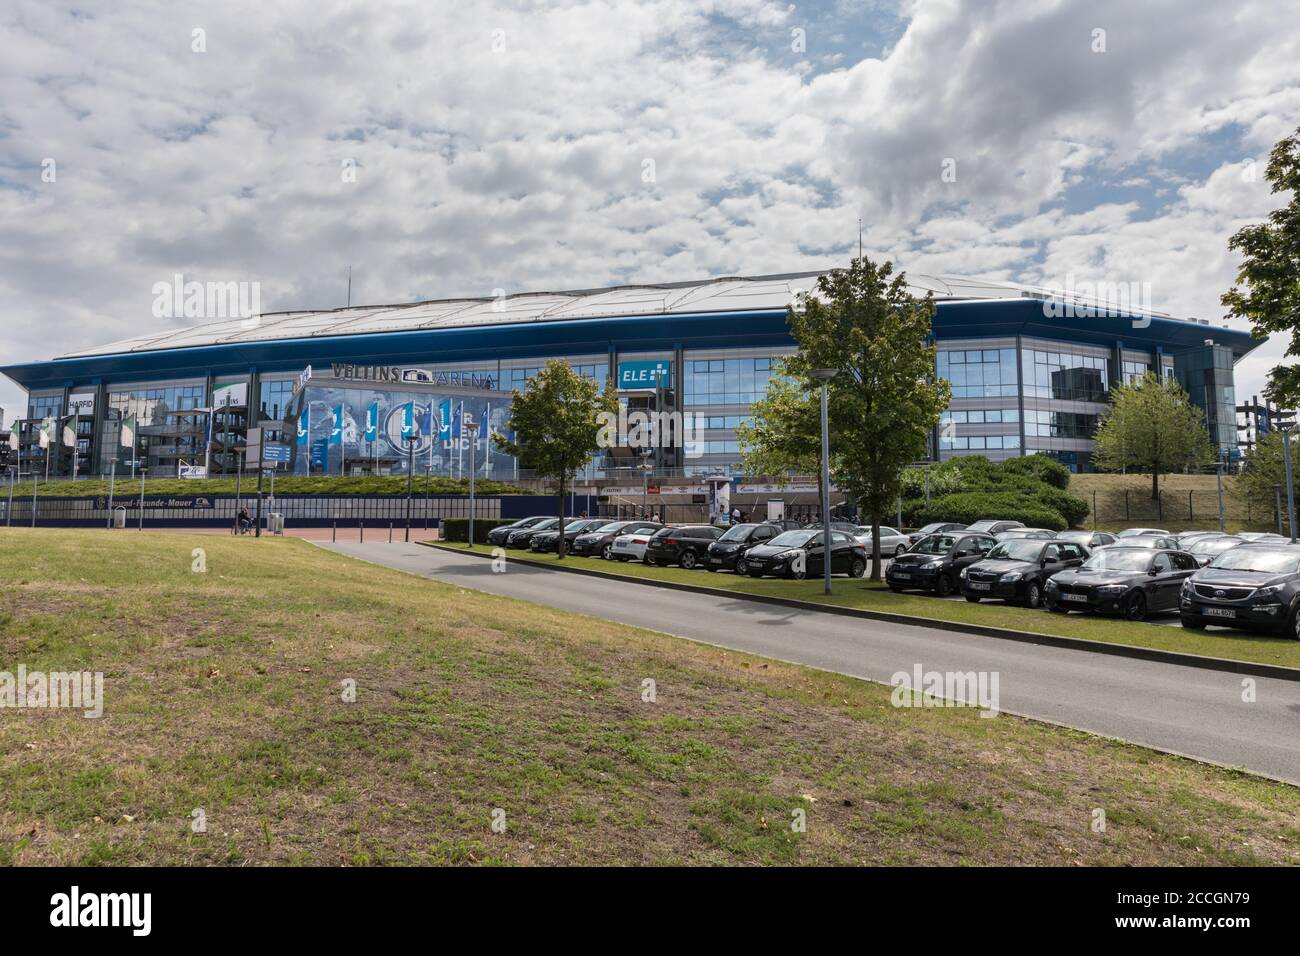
934, 562
934, 527
799, 554
1016, 570
1091, 540
544, 541
991, 526
1253, 586
519, 537
600, 541
1205, 550
498, 535
727, 552
687, 545
1134, 582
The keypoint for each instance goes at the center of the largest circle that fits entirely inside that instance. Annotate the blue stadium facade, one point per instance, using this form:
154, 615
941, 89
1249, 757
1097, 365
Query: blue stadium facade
1025, 377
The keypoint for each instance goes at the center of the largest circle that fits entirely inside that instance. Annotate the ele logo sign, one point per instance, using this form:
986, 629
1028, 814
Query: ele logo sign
638, 376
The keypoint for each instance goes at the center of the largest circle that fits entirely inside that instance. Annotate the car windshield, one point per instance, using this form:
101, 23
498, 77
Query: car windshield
738, 532
1141, 541
1073, 535
612, 526
934, 544
1258, 559
1213, 545
548, 523
1119, 559
983, 525
932, 528
1017, 549
794, 539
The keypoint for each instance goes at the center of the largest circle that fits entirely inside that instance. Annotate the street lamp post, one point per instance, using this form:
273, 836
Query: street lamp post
646, 467
471, 426
824, 376
1290, 483
410, 475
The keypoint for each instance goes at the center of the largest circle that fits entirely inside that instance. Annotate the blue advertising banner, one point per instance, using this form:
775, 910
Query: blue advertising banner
644, 376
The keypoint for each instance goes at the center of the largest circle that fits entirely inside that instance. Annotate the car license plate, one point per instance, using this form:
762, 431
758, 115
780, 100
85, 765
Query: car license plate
980, 586
1074, 597
903, 575
715, 560
1220, 612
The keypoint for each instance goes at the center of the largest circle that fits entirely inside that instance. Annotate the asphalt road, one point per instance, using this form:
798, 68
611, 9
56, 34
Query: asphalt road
1184, 710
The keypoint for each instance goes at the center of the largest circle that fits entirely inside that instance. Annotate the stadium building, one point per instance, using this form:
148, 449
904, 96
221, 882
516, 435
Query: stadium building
1030, 372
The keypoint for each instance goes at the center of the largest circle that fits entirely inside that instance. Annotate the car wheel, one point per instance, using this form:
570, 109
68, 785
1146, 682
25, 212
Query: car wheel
858, 568
740, 566
1135, 608
648, 561
943, 586
608, 553
1033, 595
899, 550
1293, 628
797, 575
688, 560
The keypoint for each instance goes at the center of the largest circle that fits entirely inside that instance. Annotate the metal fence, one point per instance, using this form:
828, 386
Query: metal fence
1184, 507
313, 511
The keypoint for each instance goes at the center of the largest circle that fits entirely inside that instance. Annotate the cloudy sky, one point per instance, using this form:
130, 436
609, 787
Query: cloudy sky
528, 146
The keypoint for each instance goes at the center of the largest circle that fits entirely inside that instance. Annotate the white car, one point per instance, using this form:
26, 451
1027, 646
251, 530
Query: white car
892, 541
631, 547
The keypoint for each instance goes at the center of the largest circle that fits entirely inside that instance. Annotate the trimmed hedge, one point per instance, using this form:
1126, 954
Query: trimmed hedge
457, 529
968, 507
1040, 467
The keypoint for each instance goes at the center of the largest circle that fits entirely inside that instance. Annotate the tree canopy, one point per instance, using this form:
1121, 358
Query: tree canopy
1152, 426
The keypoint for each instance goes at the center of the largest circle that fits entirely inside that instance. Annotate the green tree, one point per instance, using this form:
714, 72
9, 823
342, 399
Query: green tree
557, 421
1263, 470
864, 323
1268, 283
1152, 426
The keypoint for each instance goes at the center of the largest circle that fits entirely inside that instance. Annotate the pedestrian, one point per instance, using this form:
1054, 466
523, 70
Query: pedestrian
655, 518
735, 515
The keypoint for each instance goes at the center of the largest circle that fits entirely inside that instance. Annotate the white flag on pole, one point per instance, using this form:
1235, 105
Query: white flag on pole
45, 437
128, 432
69, 436
13, 440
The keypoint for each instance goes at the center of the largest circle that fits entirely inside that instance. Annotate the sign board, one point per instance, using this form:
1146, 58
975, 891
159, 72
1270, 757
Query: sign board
303, 378
253, 448
234, 395
81, 403
768, 489
275, 452
644, 376
191, 471
775, 509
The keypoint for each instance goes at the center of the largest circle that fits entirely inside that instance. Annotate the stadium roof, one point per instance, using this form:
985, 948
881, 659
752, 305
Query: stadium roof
728, 294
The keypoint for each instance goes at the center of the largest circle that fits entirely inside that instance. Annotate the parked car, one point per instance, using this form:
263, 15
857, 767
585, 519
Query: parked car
601, 541
632, 547
1166, 542
1254, 586
1134, 582
1185, 538
687, 545
1130, 532
498, 535
934, 562
1091, 540
846, 526
519, 537
545, 541
1205, 550
892, 541
934, 527
1262, 536
1016, 570
799, 554
728, 552
1025, 533
992, 526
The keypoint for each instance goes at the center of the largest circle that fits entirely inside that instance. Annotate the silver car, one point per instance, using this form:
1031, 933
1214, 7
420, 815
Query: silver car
892, 541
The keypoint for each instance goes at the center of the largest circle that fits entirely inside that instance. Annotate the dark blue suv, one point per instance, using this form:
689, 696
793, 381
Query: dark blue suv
1252, 586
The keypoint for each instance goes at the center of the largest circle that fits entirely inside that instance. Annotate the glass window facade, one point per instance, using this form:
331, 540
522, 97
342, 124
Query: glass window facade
45, 406
1066, 375
1134, 371
979, 373
727, 381
1043, 423
273, 403
150, 404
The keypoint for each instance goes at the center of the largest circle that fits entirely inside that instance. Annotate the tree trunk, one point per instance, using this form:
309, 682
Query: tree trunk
875, 544
1155, 482
559, 545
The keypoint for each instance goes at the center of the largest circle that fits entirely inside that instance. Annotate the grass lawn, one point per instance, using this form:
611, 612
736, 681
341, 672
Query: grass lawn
861, 593
224, 694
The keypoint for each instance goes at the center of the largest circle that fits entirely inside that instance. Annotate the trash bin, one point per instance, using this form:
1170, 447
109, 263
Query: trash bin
275, 522
119, 517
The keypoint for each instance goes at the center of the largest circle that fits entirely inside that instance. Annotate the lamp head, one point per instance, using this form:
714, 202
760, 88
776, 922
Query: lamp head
823, 375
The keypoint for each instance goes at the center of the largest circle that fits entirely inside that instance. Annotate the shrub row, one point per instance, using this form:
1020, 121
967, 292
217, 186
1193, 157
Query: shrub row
968, 507
457, 529
1029, 489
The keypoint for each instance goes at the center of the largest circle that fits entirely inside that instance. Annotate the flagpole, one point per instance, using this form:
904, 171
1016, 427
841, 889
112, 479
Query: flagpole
112, 477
